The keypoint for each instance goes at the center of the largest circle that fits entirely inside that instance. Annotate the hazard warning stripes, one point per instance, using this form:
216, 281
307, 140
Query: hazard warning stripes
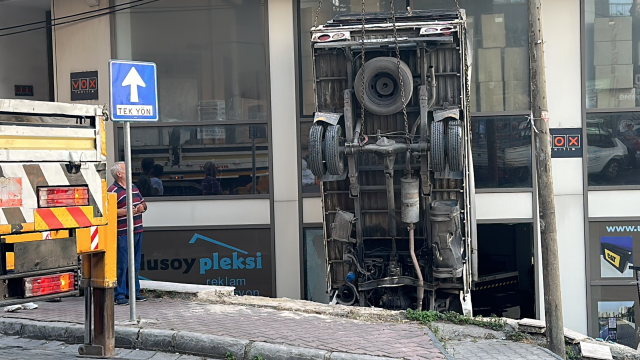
63, 218
31, 176
95, 238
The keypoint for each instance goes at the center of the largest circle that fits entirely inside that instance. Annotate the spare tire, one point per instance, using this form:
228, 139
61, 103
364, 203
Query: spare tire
333, 141
382, 95
316, 161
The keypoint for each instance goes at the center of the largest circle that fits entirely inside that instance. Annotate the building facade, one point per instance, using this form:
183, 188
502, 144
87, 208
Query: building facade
236, 95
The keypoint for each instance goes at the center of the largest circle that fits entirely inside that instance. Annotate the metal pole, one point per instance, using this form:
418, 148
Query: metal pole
253, 162
547, 209
132, 263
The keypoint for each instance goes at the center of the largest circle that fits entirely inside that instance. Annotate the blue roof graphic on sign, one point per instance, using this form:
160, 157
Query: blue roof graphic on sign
134, 91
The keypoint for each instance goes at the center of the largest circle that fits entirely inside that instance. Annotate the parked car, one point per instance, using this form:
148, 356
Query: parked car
605, 153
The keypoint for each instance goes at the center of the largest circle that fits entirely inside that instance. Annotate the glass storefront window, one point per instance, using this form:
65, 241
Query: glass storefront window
307, 13
614, 312
611, 245
501, 150
201, 160
310, 183
315, 266
611, 54
500, 36
499, 33
210, 56
613, 142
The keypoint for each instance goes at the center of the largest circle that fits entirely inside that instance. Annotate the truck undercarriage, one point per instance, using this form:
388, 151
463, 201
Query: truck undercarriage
391, 145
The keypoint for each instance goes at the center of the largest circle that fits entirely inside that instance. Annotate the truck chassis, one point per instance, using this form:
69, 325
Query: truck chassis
396, 172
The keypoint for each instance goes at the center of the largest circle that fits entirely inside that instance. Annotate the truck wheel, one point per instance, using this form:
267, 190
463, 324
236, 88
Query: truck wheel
316, 162
437, 146
382, 95
333, 141
455, 146
612, 169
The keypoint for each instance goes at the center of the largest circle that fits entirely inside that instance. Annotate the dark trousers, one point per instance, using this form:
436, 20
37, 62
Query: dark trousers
123, 264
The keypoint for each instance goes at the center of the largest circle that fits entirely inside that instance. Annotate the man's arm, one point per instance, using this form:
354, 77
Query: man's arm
122, 212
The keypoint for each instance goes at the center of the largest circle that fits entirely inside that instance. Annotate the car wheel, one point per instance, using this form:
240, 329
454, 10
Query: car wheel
382, 95
335, 159
316, 161
612, 169
437, 146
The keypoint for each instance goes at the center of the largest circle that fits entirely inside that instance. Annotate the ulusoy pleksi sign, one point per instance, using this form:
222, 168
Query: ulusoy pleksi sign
239, 258
134, 91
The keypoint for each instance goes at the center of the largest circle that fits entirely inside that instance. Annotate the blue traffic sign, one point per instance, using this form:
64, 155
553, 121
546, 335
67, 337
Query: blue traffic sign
134, 91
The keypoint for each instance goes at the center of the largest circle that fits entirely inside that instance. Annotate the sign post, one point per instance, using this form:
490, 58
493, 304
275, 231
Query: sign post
134, 97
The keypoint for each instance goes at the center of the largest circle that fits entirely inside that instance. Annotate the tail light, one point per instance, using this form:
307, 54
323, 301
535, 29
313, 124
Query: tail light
63, 196
51, 284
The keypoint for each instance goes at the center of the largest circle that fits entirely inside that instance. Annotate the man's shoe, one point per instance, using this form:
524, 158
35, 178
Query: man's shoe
140, 298
122, 301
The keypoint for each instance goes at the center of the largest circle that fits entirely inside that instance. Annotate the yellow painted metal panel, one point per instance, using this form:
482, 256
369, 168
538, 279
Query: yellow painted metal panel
65, 218
45, 143
12, 239
83, 240
10, 261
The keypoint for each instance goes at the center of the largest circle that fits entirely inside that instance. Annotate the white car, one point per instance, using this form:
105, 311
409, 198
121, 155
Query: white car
605, 154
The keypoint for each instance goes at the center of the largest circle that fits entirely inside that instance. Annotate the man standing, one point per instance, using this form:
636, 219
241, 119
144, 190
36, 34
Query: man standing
139, 206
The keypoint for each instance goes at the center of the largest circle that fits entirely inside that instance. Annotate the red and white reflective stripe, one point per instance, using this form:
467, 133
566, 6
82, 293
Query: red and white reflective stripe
94, 237
46, 235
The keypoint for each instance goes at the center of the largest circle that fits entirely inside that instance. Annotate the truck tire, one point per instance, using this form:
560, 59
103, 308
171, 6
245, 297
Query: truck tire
382, 95
333, 141
455, 146
437, 146
316, 161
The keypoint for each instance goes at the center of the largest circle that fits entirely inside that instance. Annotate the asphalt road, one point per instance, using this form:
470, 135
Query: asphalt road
12, 348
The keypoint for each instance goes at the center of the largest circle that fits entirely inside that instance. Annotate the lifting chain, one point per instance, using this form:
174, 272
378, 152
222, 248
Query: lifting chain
395, 40
315, 21
362, 58
313, 57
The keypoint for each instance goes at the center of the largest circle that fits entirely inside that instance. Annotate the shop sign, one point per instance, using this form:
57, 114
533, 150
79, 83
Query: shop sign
23, 90
612, 246
240, 258
212, 132
84, 85
566, 143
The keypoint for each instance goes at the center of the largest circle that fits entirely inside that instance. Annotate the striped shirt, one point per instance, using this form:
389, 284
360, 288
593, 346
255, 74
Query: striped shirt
121, 193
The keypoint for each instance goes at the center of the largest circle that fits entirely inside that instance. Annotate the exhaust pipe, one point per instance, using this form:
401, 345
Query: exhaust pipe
412, 251
411, 214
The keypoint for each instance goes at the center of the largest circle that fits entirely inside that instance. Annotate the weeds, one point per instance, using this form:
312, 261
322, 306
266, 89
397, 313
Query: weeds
229, 356
428, 317
257, 357
572, 354
519, 337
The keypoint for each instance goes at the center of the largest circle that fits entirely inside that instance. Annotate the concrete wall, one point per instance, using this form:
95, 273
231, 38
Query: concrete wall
24, 56
284, 148
561, 27
82, 46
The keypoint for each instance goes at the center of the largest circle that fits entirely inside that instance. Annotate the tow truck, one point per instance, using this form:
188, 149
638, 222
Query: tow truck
391, 145
58, 224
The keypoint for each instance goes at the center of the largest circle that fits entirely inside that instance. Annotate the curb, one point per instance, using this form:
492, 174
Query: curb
182, 342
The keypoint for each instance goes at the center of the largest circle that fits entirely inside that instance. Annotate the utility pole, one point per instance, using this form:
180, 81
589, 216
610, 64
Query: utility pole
542, 148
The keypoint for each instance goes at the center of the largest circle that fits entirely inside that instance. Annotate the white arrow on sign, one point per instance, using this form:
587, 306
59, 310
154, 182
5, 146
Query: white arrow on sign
134, 80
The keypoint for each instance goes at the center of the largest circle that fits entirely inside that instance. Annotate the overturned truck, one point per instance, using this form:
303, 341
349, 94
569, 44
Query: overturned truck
391, 145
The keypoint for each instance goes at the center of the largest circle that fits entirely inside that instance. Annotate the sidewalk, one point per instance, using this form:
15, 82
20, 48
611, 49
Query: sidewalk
408, 341
265, 330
